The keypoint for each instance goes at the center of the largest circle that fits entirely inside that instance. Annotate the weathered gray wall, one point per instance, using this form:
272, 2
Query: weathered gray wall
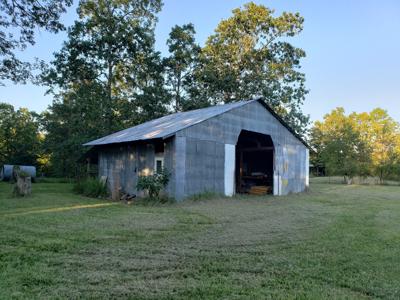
123, 164
202, 150
195, 155
204, 166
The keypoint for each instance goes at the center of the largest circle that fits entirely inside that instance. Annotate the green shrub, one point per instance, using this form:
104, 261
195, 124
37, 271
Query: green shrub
91, 187
23, 174
153, 184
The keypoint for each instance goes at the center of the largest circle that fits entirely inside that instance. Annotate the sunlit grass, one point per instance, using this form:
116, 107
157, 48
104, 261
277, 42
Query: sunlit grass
56, 209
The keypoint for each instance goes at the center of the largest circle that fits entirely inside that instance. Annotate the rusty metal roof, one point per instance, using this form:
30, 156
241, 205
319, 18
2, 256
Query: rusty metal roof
168, 125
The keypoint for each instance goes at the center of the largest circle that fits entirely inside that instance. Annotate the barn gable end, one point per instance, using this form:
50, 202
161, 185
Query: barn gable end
205, 144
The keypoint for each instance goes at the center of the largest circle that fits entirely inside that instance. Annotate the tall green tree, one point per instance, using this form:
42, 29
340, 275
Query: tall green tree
18, 21
382, 134
19, 136
111, 46
68, 123
340, 147
358, 144
249, 56
181, 65
106, 77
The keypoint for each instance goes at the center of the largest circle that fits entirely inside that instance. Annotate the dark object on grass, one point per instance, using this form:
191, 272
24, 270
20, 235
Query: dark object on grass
6, 172
127, 198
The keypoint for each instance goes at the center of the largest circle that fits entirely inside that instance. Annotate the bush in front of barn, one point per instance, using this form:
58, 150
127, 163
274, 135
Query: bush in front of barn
153, 184
91, 187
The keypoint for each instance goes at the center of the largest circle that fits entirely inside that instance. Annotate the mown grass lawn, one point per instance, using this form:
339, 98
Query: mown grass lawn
335, 241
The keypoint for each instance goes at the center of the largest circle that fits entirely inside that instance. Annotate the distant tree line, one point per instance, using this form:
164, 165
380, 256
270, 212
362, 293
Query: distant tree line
358, 144
108, 76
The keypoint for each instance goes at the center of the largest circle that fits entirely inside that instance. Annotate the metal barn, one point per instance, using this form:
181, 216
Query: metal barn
242, 147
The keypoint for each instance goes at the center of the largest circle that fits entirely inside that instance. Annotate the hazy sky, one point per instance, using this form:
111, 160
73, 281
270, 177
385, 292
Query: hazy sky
353, 50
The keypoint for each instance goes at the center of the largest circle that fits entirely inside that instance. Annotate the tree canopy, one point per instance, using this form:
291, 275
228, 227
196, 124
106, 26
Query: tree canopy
358, 144
106, 77
180, 66
18, 21
19, 136
249, 56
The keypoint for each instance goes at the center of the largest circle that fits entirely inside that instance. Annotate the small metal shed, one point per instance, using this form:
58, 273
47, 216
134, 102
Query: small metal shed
225, 149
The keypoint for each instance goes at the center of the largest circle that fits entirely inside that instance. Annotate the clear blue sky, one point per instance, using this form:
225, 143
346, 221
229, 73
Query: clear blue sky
352, 50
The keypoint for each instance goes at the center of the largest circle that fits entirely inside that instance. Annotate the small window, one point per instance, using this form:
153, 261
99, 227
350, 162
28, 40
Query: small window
159, 165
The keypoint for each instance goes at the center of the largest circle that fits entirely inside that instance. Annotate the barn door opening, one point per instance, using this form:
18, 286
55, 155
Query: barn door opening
254, 163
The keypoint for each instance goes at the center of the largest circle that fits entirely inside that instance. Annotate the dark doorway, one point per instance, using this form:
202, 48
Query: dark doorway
254, 163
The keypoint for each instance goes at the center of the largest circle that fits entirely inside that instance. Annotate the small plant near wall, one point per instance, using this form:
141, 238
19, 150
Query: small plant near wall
153, 184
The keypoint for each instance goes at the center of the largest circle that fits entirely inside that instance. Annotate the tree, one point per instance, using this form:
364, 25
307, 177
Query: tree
69, 122
19, 136
358, 144
181, 64
339, 145
110, 47
18, 21
106, 77
382, 134
248, 56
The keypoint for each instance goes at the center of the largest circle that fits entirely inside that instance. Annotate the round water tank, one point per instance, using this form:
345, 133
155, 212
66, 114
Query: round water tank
6, 171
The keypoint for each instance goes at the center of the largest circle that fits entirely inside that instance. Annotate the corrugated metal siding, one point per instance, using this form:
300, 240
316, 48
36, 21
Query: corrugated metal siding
204, 167
169, 164
119, 164
122, 165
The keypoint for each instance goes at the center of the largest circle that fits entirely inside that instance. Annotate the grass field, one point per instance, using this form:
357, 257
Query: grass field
335, 241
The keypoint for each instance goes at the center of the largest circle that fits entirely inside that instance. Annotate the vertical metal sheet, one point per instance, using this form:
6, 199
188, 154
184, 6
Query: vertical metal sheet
229, 169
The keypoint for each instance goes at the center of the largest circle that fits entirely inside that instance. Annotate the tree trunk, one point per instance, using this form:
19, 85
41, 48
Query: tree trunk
23, 186
109, 95
348, 180
178, 95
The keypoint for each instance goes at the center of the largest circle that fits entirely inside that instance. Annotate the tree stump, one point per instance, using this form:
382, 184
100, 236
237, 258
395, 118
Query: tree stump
23, 186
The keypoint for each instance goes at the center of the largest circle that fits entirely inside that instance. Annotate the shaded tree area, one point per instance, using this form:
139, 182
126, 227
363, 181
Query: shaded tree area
20, 139
106, 77
364, 144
